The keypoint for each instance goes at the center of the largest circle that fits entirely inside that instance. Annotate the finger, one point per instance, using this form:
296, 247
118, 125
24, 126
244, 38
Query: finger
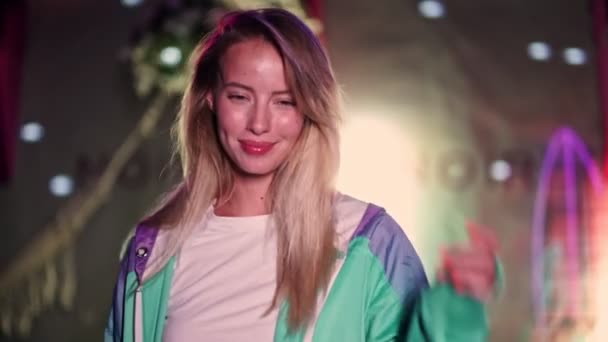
482, 236
458, 260
469, 249
455, 279
474, 284
468, 255
482, 263
486, 273
469, 252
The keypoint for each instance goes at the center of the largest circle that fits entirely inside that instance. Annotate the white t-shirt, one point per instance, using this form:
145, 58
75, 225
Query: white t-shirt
225, 277
224, 282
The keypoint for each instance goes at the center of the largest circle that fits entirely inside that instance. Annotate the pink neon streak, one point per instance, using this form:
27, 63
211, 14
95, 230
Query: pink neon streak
567, 140
572, 227
592, 169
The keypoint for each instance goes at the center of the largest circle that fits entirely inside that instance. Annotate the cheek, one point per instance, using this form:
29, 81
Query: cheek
229, 122
291, 126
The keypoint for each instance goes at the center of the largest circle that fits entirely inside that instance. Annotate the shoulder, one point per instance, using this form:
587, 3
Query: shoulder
382, 230
143, 247
359, 219
348, 212
388, 244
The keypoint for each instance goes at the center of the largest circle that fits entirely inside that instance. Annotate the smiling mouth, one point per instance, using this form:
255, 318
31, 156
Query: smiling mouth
256, 147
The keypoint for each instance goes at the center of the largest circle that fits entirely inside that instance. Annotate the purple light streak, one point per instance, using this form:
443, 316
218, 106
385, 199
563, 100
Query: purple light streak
564, 140
572, 227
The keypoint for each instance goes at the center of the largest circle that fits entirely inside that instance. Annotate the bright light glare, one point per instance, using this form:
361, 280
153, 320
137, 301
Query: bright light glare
131, 3
500, 170
431, 9
575, 56
377, 165
32, 132
170, 56
539, 51
61, 185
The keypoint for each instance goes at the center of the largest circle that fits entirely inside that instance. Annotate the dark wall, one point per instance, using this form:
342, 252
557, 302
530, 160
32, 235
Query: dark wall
76, 87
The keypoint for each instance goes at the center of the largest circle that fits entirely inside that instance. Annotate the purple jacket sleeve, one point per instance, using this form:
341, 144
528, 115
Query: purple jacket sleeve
114, 328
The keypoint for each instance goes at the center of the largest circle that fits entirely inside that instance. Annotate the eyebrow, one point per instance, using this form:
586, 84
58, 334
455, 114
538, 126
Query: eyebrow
250, 89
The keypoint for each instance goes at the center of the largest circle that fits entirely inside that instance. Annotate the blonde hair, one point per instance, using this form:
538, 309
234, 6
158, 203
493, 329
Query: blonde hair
302, 191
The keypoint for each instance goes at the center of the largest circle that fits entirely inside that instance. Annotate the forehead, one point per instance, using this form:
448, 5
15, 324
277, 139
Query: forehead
252, 60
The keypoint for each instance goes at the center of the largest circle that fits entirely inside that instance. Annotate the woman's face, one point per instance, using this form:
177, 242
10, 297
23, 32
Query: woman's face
258, 120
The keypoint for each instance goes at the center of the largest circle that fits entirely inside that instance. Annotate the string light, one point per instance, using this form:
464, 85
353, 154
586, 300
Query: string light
131, 3
500, 170
431, 9
170, 56
61, 185
539, 51
575, 56
32, 132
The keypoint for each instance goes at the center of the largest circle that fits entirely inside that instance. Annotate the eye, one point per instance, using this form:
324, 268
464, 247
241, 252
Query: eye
237, 97
286, 102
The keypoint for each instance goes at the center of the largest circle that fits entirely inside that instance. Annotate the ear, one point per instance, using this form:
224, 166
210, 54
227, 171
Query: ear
210, 100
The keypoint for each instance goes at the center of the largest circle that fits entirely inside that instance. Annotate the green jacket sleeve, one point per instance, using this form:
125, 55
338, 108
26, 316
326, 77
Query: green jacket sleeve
401, 306
441, 314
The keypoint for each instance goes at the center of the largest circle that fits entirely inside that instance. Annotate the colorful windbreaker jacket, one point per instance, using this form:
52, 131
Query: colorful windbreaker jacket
379, 292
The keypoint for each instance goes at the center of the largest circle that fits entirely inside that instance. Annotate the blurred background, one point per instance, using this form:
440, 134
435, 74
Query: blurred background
488, 111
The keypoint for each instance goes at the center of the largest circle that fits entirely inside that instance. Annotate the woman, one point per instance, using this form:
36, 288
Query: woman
255, 243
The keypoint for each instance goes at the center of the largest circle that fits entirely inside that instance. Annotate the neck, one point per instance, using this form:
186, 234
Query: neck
249, 197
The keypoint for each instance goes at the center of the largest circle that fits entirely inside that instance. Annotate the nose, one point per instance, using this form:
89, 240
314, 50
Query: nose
259, 120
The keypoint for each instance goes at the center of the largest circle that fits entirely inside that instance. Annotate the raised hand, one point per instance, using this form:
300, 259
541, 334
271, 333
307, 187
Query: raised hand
471, 268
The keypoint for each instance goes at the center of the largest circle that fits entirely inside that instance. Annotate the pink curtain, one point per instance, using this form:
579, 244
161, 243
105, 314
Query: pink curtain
12, 49
600, 30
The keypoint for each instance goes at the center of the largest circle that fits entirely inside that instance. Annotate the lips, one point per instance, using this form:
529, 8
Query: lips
257, 148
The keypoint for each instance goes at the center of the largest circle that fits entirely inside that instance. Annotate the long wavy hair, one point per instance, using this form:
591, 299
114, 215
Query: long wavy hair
302, 191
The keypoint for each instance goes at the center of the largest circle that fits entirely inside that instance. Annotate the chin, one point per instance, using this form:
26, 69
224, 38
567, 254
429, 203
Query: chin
257, 170
258, 173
